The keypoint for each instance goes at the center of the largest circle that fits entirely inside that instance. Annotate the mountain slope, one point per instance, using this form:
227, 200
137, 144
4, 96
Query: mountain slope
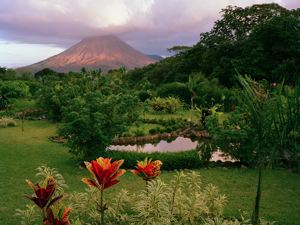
105, 52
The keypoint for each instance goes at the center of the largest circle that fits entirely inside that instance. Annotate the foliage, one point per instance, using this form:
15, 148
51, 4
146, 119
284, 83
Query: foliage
175, 89
166, 125
208, 92
245, 134
94, 109
44, 171
93, 120
270, 123
45, 72
46, 199
260, 40
286, 119
7, 74
4, 102
14, 89
254, 135
27, 216
169, 104
183, 201
172, 160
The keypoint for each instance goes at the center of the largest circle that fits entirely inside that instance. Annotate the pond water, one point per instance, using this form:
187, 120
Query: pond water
179, 144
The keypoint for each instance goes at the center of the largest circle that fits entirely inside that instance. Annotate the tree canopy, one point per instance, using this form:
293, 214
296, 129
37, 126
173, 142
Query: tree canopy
262, 41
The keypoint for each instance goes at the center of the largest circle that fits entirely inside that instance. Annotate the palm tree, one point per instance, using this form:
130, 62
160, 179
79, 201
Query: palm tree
192, 83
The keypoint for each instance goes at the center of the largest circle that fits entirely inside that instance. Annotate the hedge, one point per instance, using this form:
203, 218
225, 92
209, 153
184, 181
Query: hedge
171, 160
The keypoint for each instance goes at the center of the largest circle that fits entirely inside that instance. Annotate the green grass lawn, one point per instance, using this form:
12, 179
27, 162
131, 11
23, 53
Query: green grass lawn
182, 114
21, 153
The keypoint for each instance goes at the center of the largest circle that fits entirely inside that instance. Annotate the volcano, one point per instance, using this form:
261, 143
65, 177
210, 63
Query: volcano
105, 52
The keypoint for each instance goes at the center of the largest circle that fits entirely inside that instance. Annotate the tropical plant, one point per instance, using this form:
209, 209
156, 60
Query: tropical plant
147, 169
248, 134
27, 216
286, 119
169, 104
47, 197
185, 200
105, 175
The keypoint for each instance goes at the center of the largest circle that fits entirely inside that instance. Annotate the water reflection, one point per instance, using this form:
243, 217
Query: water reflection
177, 145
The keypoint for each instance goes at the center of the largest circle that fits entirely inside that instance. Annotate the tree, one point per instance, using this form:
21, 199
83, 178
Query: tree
263, 132
260, 40
192, 84
237, 23
45, 72
178, 48
90, 122
272, 51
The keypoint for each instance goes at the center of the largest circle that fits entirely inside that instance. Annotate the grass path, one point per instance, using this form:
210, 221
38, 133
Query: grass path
21, 153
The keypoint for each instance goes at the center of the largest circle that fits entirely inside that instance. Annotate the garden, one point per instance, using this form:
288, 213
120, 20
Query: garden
138, 147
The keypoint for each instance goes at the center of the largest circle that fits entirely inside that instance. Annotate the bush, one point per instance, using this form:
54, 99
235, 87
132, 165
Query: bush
93, 120
4, 102
144, 95
168, 105
171, 160
175, 89
14, 89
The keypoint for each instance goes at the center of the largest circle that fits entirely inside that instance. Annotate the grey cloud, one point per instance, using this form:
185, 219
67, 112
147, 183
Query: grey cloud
149, 25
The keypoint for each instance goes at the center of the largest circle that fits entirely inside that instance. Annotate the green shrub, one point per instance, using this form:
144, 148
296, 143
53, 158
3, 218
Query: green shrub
93, 120
175, 89
4, 102
171, 160
14, 89
144, 95
168, 105
138, 132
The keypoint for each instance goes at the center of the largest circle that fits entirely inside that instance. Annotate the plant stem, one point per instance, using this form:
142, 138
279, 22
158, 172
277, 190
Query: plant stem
101, 208
255, 215
147, 187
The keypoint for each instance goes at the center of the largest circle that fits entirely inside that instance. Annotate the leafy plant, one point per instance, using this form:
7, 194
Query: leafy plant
93, 120
105, 175
27, 216
169, 104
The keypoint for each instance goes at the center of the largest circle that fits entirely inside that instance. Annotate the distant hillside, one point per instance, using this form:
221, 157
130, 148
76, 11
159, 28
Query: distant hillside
105, 52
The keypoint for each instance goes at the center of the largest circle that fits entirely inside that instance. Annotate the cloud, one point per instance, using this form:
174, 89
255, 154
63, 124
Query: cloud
149, 25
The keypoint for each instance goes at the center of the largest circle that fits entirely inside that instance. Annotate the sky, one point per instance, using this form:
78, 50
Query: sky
32, 30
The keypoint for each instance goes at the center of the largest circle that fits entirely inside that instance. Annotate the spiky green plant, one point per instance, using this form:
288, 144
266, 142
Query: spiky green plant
27, 216
152, 204
44, 171
286, 119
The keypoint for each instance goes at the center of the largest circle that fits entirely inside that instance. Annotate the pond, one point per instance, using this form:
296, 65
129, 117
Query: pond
178, 145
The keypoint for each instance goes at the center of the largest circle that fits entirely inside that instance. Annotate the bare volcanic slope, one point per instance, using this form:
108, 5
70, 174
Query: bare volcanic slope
105, 52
